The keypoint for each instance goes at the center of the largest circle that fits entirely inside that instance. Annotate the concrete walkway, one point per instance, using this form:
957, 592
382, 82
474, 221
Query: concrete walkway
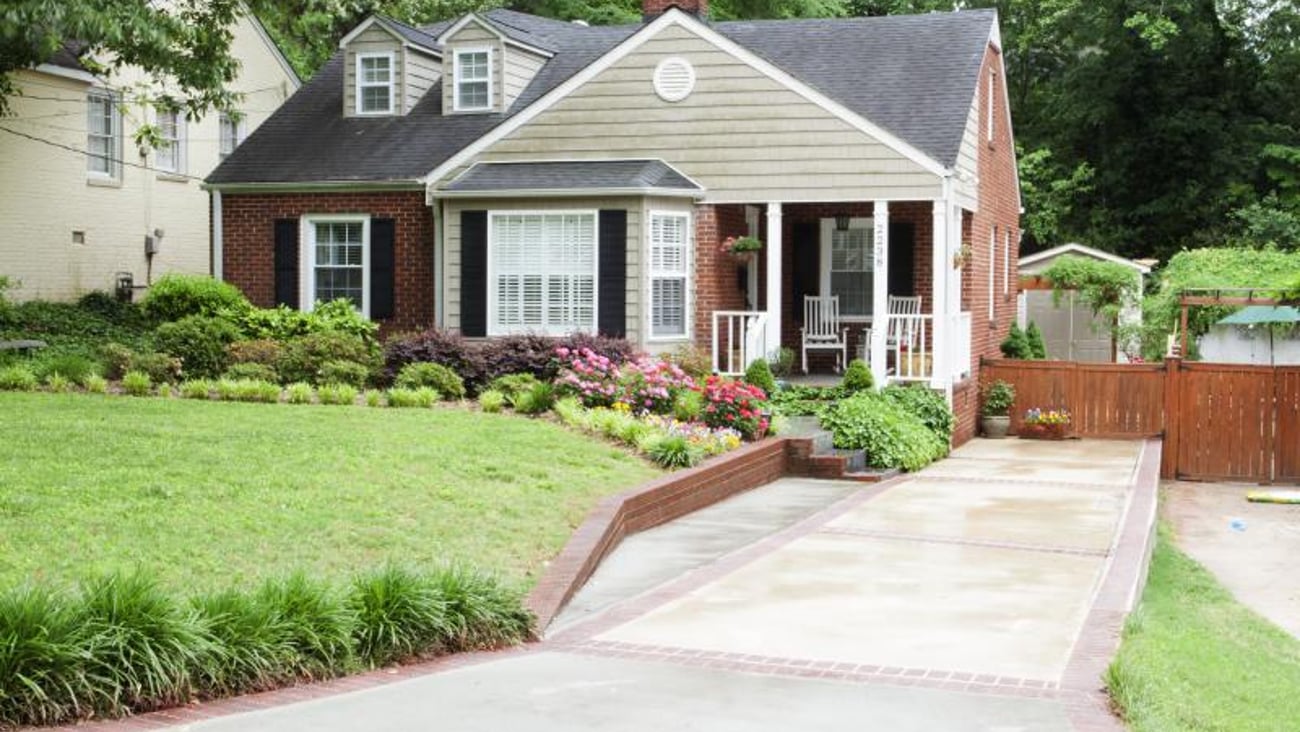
954, 599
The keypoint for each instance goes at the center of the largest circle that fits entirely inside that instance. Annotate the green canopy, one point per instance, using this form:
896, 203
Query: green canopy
1262, 315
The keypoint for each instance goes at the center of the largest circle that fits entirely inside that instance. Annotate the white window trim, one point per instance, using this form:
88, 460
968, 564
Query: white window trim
455, 89
688, 319
238, 125
180, 145
307, 257
115, 138
993, 79
493, 329
1006, 263
993, 259
360, 83
824, 266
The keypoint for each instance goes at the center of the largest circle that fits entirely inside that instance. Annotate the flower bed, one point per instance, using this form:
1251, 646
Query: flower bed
1045, 424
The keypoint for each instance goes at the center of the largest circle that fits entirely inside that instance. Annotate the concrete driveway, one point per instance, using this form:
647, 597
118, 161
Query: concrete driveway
953, 599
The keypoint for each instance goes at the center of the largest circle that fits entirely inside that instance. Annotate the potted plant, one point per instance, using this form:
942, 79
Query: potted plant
743, 248
1045, 424
996, 414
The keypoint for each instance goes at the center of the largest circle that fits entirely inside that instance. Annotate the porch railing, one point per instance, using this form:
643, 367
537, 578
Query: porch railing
961, 326
908, 344
739, 338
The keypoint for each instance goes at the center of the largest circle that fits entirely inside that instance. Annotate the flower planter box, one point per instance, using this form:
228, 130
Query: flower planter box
1044, 431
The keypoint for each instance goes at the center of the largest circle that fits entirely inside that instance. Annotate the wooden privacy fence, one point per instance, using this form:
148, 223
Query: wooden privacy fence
1218, 421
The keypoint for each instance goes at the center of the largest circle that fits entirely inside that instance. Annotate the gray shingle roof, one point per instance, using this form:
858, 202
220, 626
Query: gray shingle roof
915, 76
572, 175
412, 34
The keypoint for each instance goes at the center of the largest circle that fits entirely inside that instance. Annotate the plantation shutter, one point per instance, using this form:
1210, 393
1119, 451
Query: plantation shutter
902, 259
473, 273
286, 262
807, 251
383, 233
612, 288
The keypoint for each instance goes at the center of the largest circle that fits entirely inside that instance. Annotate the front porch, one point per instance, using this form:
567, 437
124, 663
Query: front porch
868, 255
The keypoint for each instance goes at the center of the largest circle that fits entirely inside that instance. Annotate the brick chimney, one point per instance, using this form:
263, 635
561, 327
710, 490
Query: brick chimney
651, 9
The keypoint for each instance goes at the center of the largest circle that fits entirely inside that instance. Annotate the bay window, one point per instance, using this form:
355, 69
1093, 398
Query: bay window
541, 272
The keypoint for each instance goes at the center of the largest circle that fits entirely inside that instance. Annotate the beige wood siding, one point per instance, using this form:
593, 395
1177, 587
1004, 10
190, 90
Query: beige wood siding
422, 73
744, 136
968, 154
518, 70
472, 36
451, 247
373, 40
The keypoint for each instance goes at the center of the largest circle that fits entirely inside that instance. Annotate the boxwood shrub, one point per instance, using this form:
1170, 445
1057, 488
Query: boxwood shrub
176, 296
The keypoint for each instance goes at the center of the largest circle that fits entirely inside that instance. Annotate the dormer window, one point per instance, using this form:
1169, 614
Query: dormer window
473, 80
375, 83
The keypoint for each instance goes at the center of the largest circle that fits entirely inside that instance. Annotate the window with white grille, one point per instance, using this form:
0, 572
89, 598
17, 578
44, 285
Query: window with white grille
542, 272
337, 255
103, 135
669, 270
848, 265
170, 156
231, 133
375, 83
473, 74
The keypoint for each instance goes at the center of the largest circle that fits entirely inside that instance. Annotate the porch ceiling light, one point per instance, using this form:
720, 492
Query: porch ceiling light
841, 222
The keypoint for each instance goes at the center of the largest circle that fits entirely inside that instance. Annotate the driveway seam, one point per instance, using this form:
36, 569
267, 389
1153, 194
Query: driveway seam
986, 543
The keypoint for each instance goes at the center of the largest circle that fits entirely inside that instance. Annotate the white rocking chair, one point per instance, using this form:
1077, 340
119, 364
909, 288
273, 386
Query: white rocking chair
822, 331
902, 331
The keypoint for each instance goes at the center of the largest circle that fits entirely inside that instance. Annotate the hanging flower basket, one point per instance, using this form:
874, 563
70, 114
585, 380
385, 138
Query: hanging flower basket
742, 249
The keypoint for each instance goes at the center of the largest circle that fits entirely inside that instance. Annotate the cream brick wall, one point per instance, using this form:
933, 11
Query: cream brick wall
46, 195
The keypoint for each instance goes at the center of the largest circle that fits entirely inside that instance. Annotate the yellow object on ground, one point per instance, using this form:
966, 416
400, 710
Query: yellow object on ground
1273, 496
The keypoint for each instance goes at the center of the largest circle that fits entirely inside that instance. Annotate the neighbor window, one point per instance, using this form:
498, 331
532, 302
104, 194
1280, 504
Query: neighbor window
337, 251
542, 272
374, 83
669, 258
170, 156
993, 258
231, 132
847, 255
103, 135
1006, 262
473, 80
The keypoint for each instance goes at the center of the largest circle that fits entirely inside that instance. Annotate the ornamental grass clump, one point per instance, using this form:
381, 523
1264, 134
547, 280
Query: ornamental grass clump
137, 383
423, 397
482, 612
299, 392
537, 400
18, 378
491, 401
95, 384
58, 383
673, 452
399, 614
374, 398
337, 394
196, 389
316, 626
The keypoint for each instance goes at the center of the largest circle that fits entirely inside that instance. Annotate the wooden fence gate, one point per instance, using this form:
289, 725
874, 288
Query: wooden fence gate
1218, 421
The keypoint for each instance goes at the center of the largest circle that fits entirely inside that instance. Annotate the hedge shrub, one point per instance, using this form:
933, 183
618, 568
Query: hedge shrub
176, 296
891, 436
857, 377
432, 375
122, 644
303, 357
760, 374
200, 342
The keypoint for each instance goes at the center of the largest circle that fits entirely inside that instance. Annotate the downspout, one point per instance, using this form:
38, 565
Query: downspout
217, 235
439, 290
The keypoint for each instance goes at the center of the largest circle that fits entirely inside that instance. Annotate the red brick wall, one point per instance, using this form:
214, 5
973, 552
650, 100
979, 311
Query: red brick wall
998, 206
248, 244
654, 8
718, 285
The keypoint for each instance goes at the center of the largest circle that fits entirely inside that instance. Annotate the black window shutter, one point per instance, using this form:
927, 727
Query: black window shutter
807, 258
473, 273
612, 282
383, 285
286, 262
902, 258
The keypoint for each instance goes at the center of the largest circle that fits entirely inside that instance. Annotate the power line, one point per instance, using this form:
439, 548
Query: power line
80, 151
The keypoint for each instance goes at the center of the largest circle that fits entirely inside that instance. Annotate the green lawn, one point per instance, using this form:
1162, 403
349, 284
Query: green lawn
1194, 658
212, 494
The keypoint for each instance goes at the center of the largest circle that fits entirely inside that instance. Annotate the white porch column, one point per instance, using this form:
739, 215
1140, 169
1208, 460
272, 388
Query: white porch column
773, 278
880, 292
941, 266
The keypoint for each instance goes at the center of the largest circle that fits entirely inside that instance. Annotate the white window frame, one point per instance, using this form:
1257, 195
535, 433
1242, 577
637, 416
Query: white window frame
824, 276
307, 257
686, 275
993, 82
362, 84
236, 127
493, 327
1006, 262
456, 75
114, 137
176, 164
993, 258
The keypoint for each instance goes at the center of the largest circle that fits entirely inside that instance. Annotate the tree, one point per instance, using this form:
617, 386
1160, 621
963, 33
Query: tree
183, 44
1107, 288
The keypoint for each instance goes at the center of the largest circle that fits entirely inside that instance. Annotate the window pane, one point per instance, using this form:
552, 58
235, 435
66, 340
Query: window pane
668, 306
101, 131
854, 289
339, 272
376, 70
473, 94
851, 266
474, 66
544, 272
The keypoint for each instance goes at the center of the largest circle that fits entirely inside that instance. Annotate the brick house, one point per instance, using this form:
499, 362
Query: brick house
505, 173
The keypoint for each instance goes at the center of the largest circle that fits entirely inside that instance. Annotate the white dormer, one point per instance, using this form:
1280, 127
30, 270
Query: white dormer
486, 69
388, 68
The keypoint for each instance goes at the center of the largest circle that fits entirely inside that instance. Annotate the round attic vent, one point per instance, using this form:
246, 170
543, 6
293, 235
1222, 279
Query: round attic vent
674, 79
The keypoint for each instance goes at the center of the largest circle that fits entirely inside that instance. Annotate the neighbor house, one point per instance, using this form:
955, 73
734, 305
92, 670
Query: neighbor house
1071, 331
506, 173
82, 206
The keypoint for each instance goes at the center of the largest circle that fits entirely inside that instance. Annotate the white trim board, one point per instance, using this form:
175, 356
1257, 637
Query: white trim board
490, 27
1081, 250
387, 28
675, 16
